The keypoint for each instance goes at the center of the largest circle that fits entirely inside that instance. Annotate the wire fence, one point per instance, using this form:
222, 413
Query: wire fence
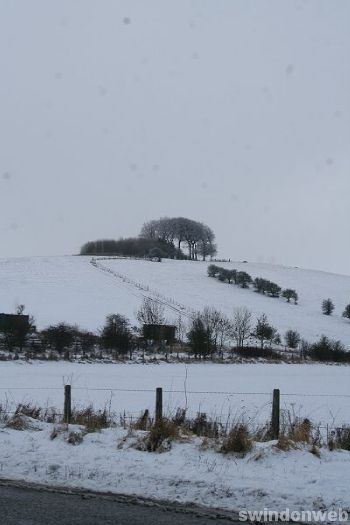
256, 411
176, 391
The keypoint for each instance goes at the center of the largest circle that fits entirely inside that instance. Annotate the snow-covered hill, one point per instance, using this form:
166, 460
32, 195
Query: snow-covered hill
72, 289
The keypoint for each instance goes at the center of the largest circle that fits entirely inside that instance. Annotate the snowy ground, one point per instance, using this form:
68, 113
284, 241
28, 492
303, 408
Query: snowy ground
105, 461
319, 392
71, 289
265, 478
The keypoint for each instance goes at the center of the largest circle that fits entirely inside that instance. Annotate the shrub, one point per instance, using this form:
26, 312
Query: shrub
290, 294
238, 440
60, 336
161, 434
264, 332
244, 279
285, 444
28, 410
292, 339
143, 421
116, 334
273, 289
92, 420
260, 285
213, 270
328, 350
202, 427
198, 338
300, 431
327, 307
17, 422
156, 253
346, 312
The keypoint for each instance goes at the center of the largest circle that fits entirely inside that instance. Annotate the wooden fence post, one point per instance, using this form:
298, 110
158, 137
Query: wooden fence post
67, 411
159, 405
275, 420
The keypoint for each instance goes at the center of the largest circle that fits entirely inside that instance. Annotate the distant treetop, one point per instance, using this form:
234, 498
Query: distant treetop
198, 237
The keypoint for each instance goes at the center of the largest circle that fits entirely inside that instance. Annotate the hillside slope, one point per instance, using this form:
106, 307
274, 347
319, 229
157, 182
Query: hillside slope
74, 290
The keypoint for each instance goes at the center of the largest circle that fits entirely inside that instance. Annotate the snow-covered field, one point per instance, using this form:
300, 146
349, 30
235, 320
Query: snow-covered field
319, 392
71, 289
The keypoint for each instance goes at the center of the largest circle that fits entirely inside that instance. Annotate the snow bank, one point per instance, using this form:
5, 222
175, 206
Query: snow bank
267, 477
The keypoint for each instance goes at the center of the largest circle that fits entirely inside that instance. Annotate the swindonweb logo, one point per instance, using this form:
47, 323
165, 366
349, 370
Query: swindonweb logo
303, 516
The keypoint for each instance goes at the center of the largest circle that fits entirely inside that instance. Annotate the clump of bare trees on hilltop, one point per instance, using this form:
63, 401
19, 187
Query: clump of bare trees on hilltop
198, 237
161, 238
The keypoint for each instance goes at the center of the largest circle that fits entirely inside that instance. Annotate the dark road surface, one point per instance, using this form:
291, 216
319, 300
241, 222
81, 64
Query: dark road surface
27, 506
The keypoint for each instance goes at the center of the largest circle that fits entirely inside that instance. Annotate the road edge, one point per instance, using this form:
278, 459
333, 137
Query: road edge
128, 499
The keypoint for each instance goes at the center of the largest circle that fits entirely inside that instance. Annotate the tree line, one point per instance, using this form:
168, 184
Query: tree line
244, 280
208, 334
131, 247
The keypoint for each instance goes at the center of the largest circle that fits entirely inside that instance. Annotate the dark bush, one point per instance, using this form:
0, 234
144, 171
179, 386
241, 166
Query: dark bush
329, 350
244, 279
60, 337
213, 270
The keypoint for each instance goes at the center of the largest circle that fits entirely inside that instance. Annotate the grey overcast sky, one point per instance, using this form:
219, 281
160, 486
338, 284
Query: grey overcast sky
232, 112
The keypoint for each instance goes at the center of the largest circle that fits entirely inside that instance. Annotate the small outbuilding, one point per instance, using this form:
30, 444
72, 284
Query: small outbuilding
13, 322
159, 333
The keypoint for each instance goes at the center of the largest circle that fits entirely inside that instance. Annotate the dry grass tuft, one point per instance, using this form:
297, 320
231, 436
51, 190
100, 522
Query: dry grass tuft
17, 422
238, 440
28, 410
285, 444
263, 433
22, 422
300, 431
92, 420
143, 422
161, 435
202, 427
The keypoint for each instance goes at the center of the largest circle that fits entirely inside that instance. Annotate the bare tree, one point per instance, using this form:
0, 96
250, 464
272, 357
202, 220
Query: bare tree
292, 339
241, 326
217, 326
206, 245
149, 230
199, 237
20, 309
151, 312
181, 329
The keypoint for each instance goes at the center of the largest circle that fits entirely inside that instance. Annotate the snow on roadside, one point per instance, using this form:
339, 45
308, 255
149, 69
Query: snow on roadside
267, 477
